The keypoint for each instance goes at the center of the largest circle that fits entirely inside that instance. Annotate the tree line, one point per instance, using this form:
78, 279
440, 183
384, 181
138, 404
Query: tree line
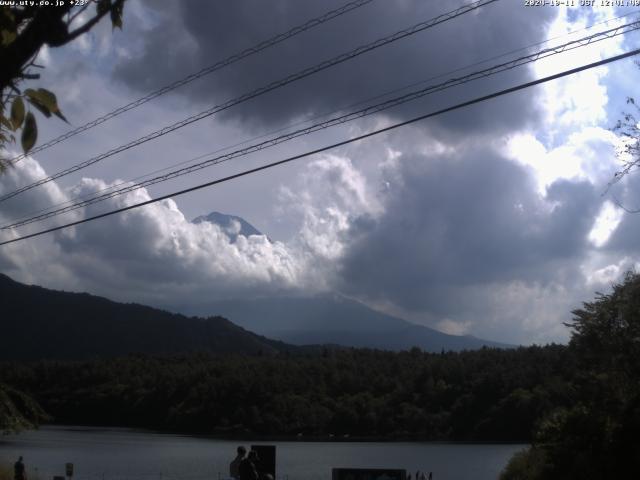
577, 404
489, 394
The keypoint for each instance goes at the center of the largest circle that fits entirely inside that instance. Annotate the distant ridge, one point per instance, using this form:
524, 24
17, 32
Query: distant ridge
37, 323
333, 319
325, 319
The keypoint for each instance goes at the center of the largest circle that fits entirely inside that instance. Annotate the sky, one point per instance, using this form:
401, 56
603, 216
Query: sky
495, 220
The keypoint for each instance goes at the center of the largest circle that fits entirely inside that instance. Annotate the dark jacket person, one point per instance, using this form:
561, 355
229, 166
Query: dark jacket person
234, 466
249, 467
19, 472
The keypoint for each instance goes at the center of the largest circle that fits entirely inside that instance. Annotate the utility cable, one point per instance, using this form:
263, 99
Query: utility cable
334, 145
314, 22
260, 91
121, 183
599, 36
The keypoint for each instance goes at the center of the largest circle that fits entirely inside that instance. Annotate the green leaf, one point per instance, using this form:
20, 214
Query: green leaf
29, 133
44, 97
44, 110
7, 16
7, 37
45, 101
17, 113
60, 116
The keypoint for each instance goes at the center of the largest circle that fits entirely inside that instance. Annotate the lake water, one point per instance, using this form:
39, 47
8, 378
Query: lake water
124, 454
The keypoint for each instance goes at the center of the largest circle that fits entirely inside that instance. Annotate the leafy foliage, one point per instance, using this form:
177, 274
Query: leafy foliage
24, 29
597, 435
18, 411
488, 394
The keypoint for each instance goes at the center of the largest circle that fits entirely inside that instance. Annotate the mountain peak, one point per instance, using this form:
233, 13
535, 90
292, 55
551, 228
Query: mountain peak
232, 225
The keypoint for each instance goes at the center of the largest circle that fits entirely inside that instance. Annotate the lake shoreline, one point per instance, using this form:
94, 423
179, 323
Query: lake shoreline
109, 453
246, 436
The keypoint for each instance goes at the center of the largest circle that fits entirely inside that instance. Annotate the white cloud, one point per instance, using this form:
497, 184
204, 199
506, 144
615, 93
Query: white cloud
601, 269
453, 327
587, 154
326, 199
579, 100
146, 254
605, 224
496, 288
155, 255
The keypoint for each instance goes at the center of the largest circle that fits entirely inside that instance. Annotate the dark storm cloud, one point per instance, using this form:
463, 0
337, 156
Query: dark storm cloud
194, 34
465, 220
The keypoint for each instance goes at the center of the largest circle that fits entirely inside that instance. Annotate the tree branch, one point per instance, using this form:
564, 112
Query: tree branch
40, 30
75, 15
89, 25
620, 205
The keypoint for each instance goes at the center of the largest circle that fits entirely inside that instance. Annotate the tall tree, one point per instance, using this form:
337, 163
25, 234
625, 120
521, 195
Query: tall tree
599, 435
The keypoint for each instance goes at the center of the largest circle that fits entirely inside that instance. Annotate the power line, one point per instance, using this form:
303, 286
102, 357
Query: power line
315, 117
334, 145
599, 36
260, 91
314, 22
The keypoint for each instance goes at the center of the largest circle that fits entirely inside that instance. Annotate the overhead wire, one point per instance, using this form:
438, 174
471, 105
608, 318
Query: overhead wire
533, 57
332, 146
260, 91
279, 38
316, 117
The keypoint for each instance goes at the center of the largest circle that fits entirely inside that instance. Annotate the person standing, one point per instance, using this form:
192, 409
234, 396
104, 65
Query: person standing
249, 467
19, 472
234, 466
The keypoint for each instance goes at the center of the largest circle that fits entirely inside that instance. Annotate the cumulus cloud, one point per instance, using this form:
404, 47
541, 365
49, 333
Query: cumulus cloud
489, 221
460, 239
465, 233
152, 254
156, 255
326, 201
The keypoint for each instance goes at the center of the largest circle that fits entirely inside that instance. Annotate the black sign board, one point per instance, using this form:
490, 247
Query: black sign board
368, 474
266, 459
69, 469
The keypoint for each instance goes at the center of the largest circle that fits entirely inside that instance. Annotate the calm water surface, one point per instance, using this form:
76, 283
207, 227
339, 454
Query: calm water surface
124, 454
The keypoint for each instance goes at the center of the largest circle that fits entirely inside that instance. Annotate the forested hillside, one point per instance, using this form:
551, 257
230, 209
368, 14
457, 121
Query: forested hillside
38, 323
578, 404
488, 394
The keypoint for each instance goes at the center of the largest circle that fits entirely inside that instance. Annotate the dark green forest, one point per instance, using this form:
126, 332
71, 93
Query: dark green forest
578, 405
488, 394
